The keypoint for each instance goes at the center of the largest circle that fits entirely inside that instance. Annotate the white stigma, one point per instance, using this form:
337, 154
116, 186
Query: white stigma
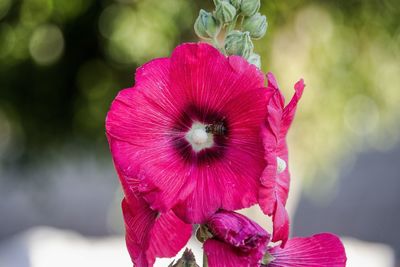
281, 165
199, 136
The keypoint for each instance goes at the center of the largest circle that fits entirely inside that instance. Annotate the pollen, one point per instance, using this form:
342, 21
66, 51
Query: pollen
199, 138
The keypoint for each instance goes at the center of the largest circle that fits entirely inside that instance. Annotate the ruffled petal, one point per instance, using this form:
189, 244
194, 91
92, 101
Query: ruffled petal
280, 220
138, 225
290, 109
138, 136
124, 120
321, 250
274, 189
249, 70
168, 236
220, 254
150, 235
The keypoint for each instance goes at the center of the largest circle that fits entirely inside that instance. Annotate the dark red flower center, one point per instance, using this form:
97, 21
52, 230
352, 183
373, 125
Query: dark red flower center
214, 124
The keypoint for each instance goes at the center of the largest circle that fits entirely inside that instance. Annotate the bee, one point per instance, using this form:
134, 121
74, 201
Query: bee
216, 128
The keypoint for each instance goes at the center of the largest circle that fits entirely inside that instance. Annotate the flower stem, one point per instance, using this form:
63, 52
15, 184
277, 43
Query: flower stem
205, 262
232, 25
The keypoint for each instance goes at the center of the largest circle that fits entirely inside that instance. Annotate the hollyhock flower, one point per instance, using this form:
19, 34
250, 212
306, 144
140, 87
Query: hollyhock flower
189, 131
275, 180
150, 234
235, 241
322, 250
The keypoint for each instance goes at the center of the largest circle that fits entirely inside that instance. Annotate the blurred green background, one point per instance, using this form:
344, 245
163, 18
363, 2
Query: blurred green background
62, 62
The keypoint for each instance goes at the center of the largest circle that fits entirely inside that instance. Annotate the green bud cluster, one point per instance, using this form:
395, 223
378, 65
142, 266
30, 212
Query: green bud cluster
206, 26
239, 43
256, 25
225, 12
239, 21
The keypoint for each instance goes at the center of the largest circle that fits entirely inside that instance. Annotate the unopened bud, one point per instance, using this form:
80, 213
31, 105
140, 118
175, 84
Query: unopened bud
239, 43
255, 59
225, 12
256, 25
206, 26
236, 3
250, 7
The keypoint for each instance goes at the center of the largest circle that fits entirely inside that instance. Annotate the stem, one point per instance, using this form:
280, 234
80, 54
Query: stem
216, 43
232, 25
241, 22
205, 262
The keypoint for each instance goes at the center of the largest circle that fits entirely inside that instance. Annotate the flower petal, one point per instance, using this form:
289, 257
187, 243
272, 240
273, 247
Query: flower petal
149, 235
243, 67
220, 254
274, 189
322, 250
138, 226
280, 223
290, 109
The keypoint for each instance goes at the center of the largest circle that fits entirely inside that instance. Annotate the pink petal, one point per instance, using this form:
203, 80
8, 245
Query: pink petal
290, 109
149, 235
220, 254
274, 189
122, 121
168, 236
280, 224
138, 226
321, 250
243, 67
272, 81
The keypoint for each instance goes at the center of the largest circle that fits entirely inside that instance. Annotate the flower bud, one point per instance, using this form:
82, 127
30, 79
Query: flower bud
256, 25
225, 12
236, 3
250, 7
255, 59
206, 25
238, 231
239, 43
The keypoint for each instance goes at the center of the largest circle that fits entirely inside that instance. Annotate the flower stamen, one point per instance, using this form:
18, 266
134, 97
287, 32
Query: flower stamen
198, 137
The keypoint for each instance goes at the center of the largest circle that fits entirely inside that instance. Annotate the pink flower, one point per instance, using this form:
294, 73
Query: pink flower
150, 234
236, 241
189, 132
322, 250
275, 180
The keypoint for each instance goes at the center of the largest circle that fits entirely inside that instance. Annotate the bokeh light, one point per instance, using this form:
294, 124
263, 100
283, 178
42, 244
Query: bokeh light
46, 44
